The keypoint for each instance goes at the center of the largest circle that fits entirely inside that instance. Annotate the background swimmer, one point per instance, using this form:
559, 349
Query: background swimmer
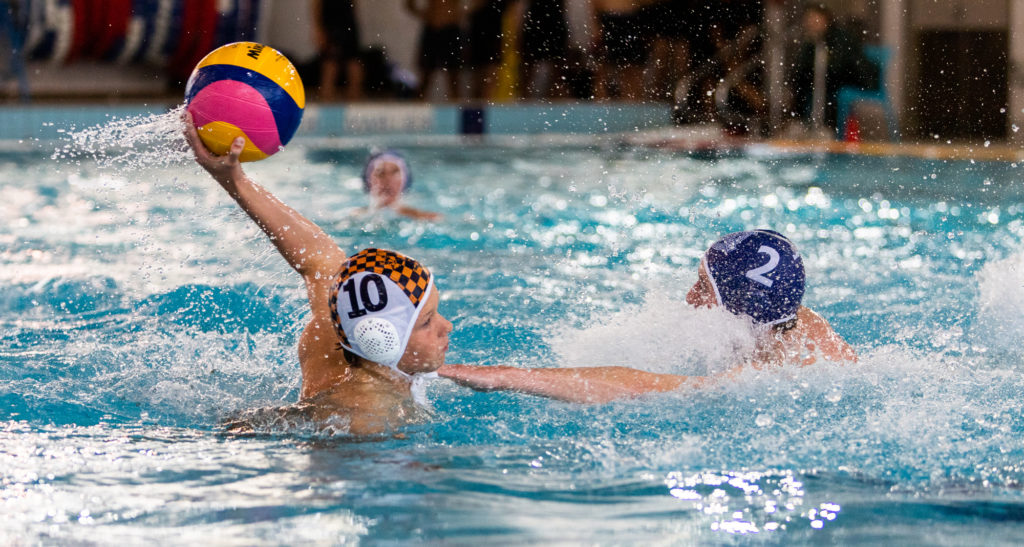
758, 274
386, 177
381, 307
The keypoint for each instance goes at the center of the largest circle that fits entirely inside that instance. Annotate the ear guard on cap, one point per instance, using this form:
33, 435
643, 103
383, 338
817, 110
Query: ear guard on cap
378, 339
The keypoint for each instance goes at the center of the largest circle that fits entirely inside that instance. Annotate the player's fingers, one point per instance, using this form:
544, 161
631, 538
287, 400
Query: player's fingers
236, 148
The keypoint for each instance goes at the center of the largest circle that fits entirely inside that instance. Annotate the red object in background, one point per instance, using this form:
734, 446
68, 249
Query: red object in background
852, 129
80, 28
198, 33
208, 19
95, 23
111, 28
184, 38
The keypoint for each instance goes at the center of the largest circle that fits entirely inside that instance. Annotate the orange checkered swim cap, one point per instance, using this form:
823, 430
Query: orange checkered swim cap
375, 301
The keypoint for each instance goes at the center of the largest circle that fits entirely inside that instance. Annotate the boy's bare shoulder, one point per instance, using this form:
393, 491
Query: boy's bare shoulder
818, 330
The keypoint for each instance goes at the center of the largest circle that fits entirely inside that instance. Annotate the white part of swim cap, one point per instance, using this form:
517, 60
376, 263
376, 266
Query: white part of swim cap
379, 339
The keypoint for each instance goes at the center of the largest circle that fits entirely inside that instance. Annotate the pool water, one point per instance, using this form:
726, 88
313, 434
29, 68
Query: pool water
139, 307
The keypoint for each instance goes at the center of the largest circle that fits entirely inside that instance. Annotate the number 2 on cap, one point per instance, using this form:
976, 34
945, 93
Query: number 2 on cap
757, 274
364, 294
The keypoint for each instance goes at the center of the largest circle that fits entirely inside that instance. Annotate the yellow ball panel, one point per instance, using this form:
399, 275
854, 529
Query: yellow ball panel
218, 136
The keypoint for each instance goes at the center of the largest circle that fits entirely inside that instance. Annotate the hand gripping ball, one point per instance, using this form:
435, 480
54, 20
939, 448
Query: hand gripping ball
249, 90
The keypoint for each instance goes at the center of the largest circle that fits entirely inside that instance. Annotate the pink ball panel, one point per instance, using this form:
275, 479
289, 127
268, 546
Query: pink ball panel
240, 105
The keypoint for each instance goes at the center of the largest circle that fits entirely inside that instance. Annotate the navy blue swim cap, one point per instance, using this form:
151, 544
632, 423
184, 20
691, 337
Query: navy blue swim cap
757, 273
393, 156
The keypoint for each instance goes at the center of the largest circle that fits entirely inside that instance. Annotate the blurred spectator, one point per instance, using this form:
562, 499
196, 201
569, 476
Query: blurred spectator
485, 37
731, 19
580, 74
624, 48
674, 25
740, 98
732, 28
12, 21
829, 58
440, 42
544, 40
337, 37
384, 78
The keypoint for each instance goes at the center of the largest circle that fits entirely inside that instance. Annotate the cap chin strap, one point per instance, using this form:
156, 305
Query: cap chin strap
419, 387
417, 383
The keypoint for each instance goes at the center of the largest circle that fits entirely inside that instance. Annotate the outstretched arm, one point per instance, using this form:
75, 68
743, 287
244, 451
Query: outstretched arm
418, 214
574, 385
306, 247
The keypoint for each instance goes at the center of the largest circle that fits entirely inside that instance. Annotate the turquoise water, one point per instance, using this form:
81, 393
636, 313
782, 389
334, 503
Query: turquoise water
139, 307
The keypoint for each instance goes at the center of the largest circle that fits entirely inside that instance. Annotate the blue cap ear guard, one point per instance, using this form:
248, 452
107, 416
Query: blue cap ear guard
757, 273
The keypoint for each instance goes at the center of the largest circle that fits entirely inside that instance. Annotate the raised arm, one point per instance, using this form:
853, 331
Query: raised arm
574, 385
307, 248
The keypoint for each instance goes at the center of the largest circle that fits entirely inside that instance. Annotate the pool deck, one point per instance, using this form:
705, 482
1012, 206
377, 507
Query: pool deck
638, 124
373, 119
697, 141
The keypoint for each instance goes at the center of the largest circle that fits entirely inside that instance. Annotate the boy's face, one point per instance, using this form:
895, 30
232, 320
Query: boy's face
386, 183
428, 342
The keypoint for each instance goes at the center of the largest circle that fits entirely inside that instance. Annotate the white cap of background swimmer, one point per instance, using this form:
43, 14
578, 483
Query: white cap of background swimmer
374, 304
390, 156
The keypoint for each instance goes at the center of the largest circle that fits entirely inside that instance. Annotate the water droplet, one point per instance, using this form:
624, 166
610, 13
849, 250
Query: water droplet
764, 420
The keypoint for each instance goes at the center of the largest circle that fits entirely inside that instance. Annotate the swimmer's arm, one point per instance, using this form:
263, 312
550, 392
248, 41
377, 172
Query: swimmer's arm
418, 214
574, 385
306, 247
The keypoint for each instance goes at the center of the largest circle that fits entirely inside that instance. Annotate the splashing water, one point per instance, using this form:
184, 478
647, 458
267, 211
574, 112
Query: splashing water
662, 335
140, 308
1001, 300
132, 143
